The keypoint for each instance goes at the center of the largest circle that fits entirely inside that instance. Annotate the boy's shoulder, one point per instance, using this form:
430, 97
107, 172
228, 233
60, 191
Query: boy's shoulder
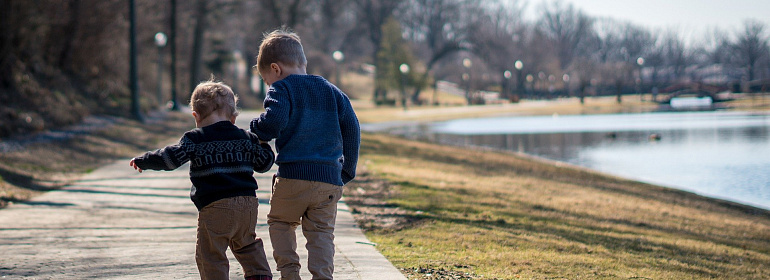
194, 133
304, 79
308, 83
219, 133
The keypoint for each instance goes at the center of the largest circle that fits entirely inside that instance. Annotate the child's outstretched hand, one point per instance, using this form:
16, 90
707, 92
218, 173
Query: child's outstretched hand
133, 164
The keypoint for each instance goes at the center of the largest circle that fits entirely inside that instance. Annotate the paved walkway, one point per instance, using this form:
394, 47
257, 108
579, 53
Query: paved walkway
118, 224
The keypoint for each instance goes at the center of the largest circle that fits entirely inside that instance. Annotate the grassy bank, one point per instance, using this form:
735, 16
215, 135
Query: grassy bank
41, 165
437, 210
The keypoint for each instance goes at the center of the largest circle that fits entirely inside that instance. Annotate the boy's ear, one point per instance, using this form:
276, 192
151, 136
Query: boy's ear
196, 116
275, 68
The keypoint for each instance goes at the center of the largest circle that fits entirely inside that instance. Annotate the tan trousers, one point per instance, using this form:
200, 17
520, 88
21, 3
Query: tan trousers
314, 206
230, 222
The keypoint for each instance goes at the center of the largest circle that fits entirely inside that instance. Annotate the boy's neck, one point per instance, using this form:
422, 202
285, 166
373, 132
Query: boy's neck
211, 119
299, 70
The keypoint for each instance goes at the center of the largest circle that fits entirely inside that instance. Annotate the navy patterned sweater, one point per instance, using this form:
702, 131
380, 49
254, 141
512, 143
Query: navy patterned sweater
222, 159
316, 130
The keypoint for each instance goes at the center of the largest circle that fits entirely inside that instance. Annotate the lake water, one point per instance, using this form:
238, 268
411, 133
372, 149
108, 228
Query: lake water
718, 154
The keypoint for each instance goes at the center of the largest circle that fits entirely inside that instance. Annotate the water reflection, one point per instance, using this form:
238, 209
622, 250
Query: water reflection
725, 155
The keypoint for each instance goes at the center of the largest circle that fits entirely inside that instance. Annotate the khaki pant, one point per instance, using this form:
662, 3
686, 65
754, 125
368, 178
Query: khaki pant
314, 206
230, 222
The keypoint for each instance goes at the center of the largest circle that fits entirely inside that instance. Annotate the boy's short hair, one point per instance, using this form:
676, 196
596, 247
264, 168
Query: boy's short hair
210, 96
281, 46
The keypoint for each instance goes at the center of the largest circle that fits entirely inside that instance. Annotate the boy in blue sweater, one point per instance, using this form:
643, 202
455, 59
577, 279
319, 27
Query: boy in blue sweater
222, 159
317, 138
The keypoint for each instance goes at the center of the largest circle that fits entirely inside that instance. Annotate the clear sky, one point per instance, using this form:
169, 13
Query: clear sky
692, 18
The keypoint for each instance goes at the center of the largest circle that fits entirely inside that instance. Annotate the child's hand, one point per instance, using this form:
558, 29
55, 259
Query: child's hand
133, 164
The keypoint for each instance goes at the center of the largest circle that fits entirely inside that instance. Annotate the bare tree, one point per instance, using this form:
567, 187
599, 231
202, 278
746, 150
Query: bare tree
567, 27
335, 19
498, 39
287, 12
655, 60
676, 56
715, 47
751, 46
440, 28
635, 42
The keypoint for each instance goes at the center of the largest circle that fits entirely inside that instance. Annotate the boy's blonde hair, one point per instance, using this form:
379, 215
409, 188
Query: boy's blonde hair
211, 96
281, 46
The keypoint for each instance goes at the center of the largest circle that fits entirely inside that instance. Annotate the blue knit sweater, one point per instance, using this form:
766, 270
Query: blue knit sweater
316, 130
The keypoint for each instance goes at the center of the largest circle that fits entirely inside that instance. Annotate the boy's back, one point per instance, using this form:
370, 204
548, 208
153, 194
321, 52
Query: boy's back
314, 126
222, 161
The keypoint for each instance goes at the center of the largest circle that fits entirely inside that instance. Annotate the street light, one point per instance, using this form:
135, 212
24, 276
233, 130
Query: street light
565, 79
519, 79
551, 80
541, 78
640, 62
467, 77
530, 79
338, 56
160, 41
404, 68
507, 76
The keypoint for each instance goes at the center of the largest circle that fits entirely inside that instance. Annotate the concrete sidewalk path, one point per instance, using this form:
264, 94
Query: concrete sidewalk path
118, 224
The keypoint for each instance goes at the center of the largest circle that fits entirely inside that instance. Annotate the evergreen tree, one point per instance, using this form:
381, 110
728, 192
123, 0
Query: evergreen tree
394, 51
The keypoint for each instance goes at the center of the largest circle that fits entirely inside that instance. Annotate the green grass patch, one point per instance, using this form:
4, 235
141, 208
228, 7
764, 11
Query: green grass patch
501, 216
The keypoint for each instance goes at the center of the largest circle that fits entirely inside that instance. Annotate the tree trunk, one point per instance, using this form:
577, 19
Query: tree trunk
133, 79
172, 45
65, 57
7, 56
197, 47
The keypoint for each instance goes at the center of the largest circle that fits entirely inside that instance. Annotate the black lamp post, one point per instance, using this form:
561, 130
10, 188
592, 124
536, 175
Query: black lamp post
519, 79
467, 77
160, 41
506, 84
639, 81
565, 78
172, 41
338, 56
404, 69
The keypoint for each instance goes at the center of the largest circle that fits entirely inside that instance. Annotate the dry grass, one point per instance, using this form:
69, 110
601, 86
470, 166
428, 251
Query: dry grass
501, 216
46, 165
359, 87
452, 107
751, 102
569, 106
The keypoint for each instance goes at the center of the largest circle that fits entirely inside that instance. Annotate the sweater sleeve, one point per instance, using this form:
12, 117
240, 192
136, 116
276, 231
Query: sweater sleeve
351, 142
264, 158
167, 158
269, 124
